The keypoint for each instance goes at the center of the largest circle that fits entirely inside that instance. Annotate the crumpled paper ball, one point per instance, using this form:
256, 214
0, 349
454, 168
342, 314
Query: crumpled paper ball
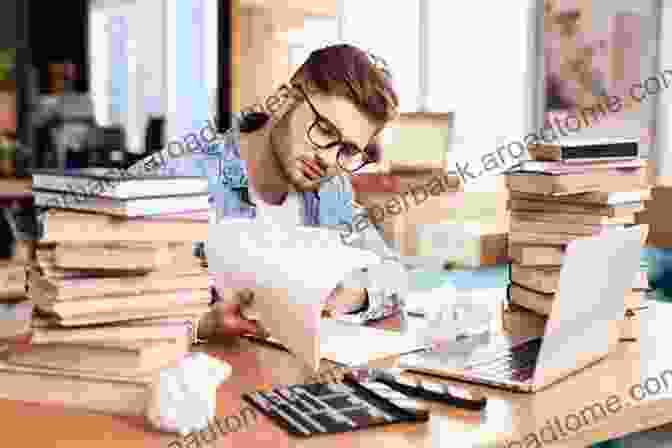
183, 398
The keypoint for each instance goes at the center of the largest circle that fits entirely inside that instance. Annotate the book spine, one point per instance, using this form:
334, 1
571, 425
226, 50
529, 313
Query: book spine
602, 151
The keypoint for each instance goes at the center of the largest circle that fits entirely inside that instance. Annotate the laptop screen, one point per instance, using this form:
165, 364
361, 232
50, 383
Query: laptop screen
590, 302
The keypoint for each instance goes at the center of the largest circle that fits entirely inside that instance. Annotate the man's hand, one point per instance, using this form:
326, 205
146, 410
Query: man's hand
226, 319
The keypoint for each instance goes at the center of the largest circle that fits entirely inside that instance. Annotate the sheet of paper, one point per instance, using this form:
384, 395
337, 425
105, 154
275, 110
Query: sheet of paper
357, 345
291, 269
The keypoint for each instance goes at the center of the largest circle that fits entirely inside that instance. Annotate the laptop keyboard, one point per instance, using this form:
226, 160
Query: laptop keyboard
516, 363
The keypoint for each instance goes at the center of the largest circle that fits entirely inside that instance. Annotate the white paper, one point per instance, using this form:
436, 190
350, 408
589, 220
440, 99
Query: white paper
183, 398
342, 343
291, 269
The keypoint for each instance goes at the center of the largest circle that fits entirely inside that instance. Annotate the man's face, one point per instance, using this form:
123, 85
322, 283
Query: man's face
304, 164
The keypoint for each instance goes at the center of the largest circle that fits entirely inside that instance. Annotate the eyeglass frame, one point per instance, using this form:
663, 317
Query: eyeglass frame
340, 141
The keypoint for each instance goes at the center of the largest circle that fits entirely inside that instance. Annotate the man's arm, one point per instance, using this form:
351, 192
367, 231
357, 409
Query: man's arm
386, 284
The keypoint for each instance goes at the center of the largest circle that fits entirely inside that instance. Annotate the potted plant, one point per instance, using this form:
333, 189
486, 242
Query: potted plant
7, 63
7, 110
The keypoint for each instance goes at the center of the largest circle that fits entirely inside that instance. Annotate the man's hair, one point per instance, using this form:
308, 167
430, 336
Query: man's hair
360, 76
355, 74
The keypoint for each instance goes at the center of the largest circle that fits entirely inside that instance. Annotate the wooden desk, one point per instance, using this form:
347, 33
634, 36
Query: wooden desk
508, 417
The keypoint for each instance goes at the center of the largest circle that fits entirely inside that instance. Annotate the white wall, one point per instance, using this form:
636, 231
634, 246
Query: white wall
662, 151
630, 124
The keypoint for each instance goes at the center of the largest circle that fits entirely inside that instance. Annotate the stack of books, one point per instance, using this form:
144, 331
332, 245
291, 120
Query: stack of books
15, 309
554, 200
12, 280
655, 216
117, 289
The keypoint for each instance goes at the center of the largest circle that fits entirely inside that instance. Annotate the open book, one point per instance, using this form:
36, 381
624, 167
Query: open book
291, 269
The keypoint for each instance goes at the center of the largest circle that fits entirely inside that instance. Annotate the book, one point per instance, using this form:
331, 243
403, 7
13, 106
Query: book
123, 358
569, 218
540, 303
551, 239
117, 316
123, 304
288, 295
105, 182
44, 267
571, 151
551, 206
66, 226
607, 180
558, 168
590, 198
116, 256
12, 280
92, 392
530, 255
13, 293
64, 289
546, 279
541, 279
148, 329
517, 225
129, 207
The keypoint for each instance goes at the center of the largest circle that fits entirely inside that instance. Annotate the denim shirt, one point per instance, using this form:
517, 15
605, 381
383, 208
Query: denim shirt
230, 197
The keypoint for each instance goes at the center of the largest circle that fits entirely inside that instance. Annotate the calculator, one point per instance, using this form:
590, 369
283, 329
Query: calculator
307, 410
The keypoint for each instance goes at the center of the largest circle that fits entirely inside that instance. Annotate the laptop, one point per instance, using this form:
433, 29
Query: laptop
582, 328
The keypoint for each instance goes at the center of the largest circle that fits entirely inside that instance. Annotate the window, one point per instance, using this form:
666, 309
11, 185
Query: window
126, 65
99, 39
113, 66
163, 66
479, 66
188, 94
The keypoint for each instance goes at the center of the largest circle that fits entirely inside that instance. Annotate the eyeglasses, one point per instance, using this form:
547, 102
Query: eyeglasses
323, 134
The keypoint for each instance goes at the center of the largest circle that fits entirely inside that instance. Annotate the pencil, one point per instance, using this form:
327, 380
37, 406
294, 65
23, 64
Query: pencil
266, 341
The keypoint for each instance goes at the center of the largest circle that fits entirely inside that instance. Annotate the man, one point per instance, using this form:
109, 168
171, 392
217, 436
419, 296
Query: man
292, 163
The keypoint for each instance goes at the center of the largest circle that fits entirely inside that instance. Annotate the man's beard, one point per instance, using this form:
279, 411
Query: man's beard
292, 173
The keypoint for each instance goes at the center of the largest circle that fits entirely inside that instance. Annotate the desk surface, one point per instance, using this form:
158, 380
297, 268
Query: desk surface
509, 417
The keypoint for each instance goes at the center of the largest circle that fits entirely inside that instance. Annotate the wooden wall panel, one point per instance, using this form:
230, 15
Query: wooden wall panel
264, 57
